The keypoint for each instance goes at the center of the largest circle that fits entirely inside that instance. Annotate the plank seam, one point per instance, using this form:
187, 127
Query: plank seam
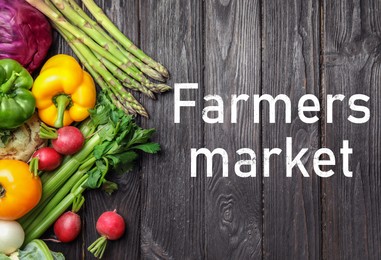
321, 121
203, 53
261, 21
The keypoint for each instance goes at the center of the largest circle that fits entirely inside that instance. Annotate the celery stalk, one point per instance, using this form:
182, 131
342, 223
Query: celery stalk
59, 209
60, 176
42, 210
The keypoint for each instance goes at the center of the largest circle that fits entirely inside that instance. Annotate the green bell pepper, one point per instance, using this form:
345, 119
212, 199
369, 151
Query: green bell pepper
17, 103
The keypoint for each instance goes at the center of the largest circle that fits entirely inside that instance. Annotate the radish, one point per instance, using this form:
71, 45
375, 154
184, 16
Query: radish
11, 236
48, 158
69, 140
67, 226
110, 226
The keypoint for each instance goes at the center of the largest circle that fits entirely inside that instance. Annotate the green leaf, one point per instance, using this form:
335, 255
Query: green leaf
97, 174
37, 249
148, 147
109, 187
125, 168
122, 158
92, 181
101, 149
141, 136
100, 114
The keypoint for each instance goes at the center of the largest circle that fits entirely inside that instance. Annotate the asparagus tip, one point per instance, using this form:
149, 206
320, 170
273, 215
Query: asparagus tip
150, 94
163, 87
164, 72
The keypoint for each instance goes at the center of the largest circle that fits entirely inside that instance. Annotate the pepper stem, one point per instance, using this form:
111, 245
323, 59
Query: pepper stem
5, 87
2, 191
62, 101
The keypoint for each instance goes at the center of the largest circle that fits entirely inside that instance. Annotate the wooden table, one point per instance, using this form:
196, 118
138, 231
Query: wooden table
250, 47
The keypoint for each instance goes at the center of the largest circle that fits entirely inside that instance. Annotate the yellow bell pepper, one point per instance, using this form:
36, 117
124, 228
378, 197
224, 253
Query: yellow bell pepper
64, 92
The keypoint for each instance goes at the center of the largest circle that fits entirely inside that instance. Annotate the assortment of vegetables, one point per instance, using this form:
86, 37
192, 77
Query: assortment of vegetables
115, 63
87, 134
113, 138
25, 34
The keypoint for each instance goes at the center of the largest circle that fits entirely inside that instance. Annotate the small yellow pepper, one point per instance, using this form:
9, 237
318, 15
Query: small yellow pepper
63, 91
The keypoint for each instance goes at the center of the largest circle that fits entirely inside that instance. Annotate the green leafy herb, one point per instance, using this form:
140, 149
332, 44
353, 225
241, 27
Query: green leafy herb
109, 187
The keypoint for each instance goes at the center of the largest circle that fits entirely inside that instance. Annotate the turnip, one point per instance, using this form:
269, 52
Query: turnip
67, 226
48, 158
11, 236
110, 226
69, 140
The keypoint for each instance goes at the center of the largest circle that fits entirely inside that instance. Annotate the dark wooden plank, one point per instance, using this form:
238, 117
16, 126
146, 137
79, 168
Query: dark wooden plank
351, 50
232, 66
291, 227
172, 224
127, 199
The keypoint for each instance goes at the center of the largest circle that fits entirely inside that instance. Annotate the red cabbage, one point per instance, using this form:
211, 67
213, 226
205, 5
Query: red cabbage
25, 33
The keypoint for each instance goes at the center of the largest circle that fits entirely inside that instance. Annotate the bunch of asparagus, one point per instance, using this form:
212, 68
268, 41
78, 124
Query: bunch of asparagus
110, 57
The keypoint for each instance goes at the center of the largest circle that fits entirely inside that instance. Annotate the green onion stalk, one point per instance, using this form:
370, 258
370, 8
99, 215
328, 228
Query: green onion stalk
113, 60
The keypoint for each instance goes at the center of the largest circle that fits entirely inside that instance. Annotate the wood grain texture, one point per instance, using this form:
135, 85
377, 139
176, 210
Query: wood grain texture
291, 227
351, 50
173, 202
233, 209
126, 200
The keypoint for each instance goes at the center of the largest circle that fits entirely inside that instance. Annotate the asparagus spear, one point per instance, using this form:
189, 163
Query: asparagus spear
138, 63
71, 15
102, 19
129, 102
112, 65
58, 19
125, 79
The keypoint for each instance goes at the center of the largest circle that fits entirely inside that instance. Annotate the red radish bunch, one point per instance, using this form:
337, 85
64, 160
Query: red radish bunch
69, 140
67, 227
48, 158
110, 226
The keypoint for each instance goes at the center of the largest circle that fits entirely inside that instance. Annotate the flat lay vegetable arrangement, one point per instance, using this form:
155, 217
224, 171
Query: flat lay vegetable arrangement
82, 133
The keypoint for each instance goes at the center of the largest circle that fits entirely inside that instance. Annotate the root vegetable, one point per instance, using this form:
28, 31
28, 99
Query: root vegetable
69, 141
11, 236
67, 226
23, 141
48, 158
110, 226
